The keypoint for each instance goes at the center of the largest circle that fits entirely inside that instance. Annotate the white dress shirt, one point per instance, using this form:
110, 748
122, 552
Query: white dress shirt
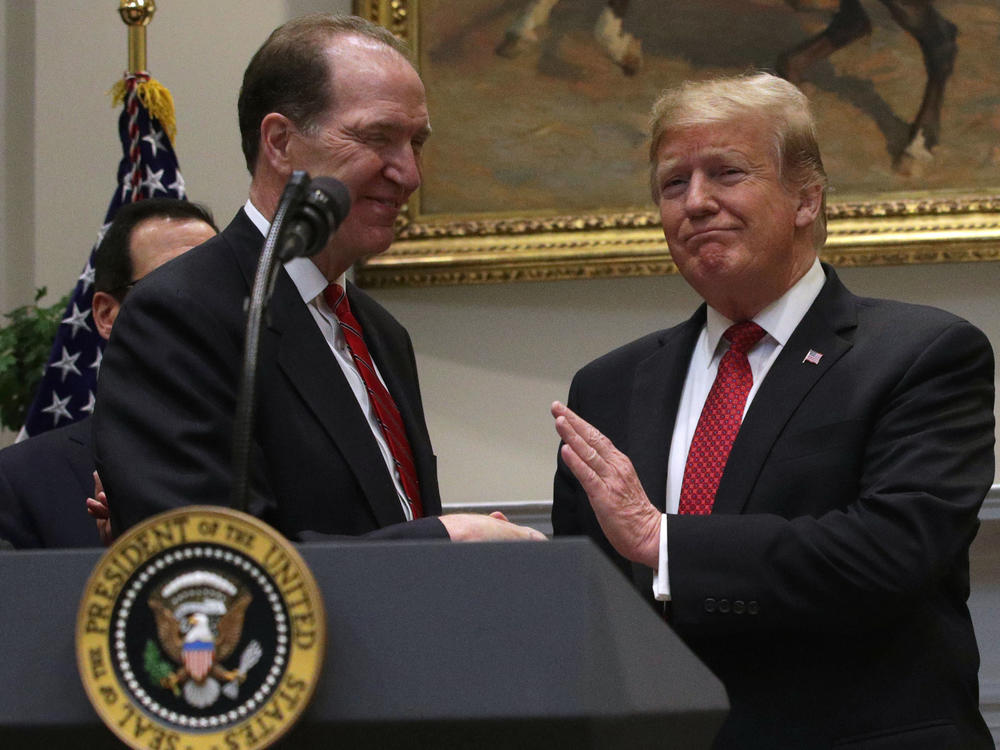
311, 283
779, 320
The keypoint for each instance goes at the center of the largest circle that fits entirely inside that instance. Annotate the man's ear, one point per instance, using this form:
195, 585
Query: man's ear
105, 309
276, 132
810, 204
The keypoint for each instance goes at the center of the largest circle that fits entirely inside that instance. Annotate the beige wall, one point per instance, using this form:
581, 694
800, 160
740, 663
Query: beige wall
491, 358
17, 149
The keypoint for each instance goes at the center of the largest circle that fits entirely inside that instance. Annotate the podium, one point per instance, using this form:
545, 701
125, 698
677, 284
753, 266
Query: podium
429, 644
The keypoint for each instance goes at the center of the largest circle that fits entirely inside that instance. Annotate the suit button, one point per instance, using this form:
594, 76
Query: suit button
710, 604
724, 606
753, 607
739, 607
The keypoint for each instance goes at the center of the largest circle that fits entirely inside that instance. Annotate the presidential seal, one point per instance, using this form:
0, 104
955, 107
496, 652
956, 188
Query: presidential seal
200, 629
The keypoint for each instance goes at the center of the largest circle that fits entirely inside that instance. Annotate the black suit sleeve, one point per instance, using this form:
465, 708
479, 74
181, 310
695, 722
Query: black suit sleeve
571, 511
429, 527
44, 482
165, 412
16, 525
924, 458
566, 520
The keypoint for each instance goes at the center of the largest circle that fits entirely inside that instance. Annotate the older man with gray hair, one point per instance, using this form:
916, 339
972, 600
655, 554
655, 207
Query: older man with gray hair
797, 469
340, 445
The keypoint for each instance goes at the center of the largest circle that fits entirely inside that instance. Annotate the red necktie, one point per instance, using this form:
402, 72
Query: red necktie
719, 421
385, 408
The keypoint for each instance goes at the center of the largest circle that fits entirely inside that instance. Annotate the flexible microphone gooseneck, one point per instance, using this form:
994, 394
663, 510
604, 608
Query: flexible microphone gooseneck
308, 214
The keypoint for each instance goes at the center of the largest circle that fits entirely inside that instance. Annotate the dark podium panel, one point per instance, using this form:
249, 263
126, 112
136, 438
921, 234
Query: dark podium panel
429, 644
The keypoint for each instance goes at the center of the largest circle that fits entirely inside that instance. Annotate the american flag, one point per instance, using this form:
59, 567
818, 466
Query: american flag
813, 357
148, 169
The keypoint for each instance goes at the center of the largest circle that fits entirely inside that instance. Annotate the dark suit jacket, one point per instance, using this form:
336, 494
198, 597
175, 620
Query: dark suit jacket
44, 483
828, 588
168, 389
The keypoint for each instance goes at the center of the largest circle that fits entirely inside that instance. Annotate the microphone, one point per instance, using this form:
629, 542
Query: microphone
307, 213
325, 204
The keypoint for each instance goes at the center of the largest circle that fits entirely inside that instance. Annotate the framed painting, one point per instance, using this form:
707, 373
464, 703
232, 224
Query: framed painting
537, 168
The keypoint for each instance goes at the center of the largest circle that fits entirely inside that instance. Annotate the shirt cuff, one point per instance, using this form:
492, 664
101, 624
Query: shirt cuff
661, 578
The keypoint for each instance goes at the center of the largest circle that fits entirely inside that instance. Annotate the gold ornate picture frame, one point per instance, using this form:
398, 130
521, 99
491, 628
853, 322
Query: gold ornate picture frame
452, 240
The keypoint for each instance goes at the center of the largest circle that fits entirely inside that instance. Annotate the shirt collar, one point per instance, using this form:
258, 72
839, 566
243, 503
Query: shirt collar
257, 218
306, 276
780, 318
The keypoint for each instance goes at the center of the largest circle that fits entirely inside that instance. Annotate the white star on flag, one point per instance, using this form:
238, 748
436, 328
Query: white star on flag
101, 232
96, 364
153, 139
78, 320
58, 408
147, 157
87, 277
67, 364
154, 181
89, 406
179, 186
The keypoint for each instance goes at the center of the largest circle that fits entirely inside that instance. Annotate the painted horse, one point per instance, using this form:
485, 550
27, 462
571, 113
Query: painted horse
933, 33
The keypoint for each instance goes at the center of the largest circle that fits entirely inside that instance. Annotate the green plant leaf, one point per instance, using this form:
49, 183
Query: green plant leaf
25, 343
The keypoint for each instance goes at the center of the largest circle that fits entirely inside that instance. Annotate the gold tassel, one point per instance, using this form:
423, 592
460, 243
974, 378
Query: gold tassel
155, 97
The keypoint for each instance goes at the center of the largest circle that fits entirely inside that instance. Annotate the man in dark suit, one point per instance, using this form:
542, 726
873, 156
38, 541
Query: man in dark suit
796, 469
340, 446
45, 479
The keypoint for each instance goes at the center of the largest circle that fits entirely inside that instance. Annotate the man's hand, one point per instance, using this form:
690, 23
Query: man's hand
97, 507
473, 527
629, 521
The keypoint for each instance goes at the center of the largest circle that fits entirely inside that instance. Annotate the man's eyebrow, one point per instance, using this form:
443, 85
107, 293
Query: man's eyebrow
393, 126
666, 165
711, 153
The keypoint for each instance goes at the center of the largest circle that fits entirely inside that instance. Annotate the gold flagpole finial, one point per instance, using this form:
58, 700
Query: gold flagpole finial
154, 96
136, 14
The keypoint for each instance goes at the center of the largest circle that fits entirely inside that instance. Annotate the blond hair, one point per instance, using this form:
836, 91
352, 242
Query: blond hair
752, 95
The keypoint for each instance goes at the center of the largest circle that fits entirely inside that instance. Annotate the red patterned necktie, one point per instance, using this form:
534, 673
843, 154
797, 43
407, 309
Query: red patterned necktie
719, 421
385, 408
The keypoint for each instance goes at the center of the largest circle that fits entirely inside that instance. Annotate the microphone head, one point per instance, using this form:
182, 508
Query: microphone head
324, 206
330, 196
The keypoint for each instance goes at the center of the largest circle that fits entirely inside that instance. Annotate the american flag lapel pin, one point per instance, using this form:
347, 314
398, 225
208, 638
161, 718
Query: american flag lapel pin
813, 357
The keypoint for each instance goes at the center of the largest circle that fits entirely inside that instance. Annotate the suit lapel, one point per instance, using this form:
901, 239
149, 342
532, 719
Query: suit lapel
656, 392
399, 374
788, 383
304, 357
385, 359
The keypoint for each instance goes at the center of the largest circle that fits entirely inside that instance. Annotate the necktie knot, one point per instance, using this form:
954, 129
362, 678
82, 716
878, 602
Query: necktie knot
336, 297
743, 336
